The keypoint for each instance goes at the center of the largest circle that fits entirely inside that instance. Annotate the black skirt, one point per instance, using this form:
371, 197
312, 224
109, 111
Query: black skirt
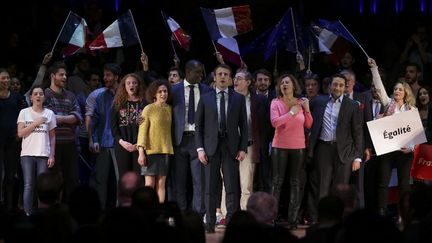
156, 165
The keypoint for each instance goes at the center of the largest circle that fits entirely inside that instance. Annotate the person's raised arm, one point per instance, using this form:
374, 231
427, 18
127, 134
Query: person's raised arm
376, 79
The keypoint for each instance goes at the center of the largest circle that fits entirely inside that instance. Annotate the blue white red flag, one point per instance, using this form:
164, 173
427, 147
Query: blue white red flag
227, 22
121, 32
74, 34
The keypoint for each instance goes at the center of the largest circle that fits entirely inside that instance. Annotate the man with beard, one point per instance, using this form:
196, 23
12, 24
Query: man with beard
68, 115
263, 80
412, 76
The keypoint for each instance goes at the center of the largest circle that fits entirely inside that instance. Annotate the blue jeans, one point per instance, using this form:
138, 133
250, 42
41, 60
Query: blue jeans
29, 164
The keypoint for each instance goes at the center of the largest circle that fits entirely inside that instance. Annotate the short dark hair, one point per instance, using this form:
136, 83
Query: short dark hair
152, 89
114, 68
222, 65
262, 71
55, 67
312, 76
338, 75
178, 70
413, 64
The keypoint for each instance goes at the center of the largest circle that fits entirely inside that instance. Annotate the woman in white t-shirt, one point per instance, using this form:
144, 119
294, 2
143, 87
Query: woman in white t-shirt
36, 128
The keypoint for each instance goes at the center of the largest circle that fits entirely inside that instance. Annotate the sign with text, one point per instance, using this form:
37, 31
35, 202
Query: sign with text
392, 133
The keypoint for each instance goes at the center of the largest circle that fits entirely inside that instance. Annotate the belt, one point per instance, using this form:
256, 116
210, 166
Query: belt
250, 143
328, 142
189, 133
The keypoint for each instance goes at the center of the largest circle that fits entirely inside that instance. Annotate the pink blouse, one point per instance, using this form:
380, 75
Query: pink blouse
289, 130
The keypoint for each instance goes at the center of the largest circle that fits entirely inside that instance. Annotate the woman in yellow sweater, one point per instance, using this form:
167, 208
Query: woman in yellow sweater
154, 137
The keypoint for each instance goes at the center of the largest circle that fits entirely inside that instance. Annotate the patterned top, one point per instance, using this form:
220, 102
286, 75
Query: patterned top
125, 122
155, 132
63, 104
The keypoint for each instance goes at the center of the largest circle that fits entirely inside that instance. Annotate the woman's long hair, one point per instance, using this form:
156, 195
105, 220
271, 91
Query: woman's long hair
121, 95
409, 98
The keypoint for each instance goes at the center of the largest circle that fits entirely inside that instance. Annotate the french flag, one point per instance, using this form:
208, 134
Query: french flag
229, 49
331, 43
73, 33
121, 32
179, 34
227, 22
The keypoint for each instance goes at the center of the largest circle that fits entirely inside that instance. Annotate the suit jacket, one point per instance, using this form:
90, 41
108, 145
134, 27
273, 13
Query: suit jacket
349, 133
261, 126
207, 125
179, 109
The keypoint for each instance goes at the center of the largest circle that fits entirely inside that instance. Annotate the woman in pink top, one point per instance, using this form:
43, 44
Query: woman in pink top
289, 116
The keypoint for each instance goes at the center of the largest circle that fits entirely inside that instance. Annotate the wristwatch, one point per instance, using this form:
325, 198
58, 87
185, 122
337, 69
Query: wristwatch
291, 113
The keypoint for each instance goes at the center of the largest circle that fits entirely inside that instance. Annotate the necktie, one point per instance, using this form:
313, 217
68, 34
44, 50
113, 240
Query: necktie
222, 114
191, 109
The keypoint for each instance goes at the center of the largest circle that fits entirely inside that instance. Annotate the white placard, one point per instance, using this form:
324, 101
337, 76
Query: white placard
391, 133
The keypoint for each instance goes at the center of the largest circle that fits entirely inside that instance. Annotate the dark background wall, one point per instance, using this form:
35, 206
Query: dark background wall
38, 23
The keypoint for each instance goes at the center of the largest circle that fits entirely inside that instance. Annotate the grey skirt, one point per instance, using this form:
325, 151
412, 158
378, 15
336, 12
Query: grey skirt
156, 165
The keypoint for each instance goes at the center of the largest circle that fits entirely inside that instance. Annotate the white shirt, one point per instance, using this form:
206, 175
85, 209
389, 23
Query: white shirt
37, 143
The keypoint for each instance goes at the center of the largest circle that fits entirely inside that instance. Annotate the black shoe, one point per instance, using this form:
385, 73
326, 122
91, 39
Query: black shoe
210, 229
382, 212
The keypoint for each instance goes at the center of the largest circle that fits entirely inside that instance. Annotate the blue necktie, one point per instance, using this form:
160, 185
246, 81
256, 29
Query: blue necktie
191, 109
222, 112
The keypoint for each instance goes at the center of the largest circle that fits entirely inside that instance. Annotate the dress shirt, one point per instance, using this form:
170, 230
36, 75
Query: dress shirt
190, 127
330, 119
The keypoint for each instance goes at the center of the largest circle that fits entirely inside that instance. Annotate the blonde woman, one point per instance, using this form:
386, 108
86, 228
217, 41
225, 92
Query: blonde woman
402, 100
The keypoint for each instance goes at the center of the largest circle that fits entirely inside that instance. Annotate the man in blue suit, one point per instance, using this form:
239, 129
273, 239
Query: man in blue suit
186, 95
221, 140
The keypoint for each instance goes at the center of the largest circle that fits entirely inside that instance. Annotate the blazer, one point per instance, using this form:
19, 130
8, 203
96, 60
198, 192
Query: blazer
261, 126
179, 108
207, 126
349, 133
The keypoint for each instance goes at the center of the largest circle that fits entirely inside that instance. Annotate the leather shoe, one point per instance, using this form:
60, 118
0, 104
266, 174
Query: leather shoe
210, 229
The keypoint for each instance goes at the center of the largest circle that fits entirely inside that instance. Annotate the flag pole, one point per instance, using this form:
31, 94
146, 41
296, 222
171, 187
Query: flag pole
294, 30
214, 46
309, 58
354, 39
169, 31
136, 30
58, 36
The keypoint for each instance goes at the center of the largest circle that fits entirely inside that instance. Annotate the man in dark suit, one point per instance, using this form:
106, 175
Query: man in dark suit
373, 109
263, 84
357, 177
335, 141
221, 140
186, 95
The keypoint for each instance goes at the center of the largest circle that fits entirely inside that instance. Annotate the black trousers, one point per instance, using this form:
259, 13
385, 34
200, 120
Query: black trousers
66, 162
231, 179
370, 183
288, 161
327, 172
9, 165
126, 161
402, 162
